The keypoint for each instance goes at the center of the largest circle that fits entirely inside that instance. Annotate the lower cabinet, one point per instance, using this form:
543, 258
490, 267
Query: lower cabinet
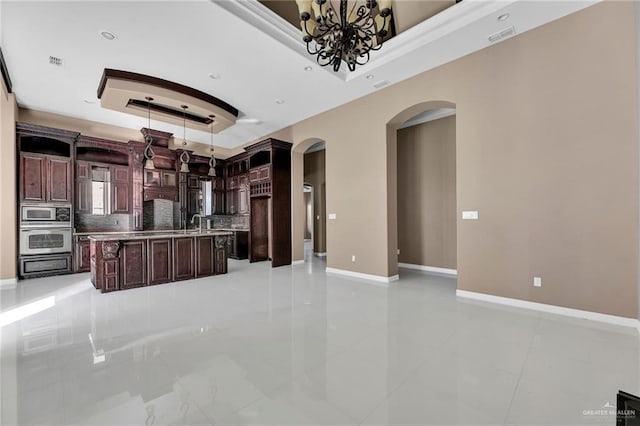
238, 245
221, 255
160, 261
205, 258
184, 258
121, 264
82, 254
133, 256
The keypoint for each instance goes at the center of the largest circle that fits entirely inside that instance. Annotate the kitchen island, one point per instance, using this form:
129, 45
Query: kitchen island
120, 261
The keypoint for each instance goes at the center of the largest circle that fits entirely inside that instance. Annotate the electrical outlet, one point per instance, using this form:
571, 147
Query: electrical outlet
537, 281
353, 258
398, 251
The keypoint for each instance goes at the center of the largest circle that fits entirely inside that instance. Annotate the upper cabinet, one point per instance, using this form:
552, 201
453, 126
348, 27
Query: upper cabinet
103, 177
45, 173
45, 178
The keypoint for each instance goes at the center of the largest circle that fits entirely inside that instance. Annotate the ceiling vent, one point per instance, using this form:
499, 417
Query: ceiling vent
502, 34
53, 60
380, 84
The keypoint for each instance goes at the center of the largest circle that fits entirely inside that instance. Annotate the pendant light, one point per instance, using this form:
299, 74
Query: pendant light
212, 160
184, 157
148, 152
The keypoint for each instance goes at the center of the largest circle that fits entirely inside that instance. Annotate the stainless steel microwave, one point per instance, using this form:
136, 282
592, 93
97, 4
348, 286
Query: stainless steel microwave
45, 215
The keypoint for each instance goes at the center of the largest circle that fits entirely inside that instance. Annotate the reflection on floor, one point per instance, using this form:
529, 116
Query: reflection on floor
292, 345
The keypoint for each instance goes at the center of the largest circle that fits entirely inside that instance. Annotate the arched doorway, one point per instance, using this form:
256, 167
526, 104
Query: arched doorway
408, 115
308, 168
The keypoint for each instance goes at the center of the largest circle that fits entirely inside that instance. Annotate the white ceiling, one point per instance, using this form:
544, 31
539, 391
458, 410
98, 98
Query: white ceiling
257, 55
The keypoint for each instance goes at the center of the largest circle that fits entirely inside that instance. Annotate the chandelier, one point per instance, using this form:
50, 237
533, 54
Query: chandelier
348, 35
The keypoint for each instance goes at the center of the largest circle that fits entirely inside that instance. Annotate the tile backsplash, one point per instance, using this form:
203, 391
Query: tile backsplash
230, 221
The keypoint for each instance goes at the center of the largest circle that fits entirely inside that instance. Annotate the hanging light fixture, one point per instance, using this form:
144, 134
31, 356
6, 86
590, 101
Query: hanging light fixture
184, 157
148, 151
212, 160
349, 35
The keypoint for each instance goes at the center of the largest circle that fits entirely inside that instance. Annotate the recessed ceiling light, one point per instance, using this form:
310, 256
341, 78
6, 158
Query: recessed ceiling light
214, 76
307, 68
108, 35
370, 76
279, 101
503, 17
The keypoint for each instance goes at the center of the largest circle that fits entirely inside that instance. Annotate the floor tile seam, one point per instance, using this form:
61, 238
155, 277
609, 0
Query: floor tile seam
524, 363
401, 383
195, 402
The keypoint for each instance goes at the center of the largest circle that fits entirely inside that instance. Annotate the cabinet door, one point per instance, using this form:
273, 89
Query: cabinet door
120, 198
243, 200
193, 182
193, 202
259, 230
183, 257
82, 255
83, 187
32, 177
133, 256
205, 254
169, 179
119, 174
151, 178
59, 180
218, 202
160, 268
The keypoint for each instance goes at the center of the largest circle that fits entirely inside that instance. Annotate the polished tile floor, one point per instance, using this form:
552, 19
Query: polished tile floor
295, 346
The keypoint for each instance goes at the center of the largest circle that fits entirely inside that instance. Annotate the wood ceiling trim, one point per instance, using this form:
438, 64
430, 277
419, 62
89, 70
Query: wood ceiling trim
109, 74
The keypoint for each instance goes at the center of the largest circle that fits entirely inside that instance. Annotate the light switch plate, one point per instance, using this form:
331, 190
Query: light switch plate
332, 216
470, 215
537, 281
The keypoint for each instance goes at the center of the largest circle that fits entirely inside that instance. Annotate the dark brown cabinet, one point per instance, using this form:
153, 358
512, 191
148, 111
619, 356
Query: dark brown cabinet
83, 187
82, 254
238, 245
205, 258
133, 257
120, 190
45, 178
221, 255
183, 258
59, 180
32, 184
259, 229
160, 261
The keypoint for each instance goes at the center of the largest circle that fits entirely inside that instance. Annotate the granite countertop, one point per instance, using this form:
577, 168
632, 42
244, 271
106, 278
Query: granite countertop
232, 229
145, 235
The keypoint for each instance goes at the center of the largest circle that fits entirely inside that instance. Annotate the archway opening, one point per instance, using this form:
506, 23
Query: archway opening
309, 201
422, 200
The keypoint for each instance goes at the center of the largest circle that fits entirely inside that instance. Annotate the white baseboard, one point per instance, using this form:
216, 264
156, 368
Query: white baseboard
297, 262
8, 283
432, 269
324, 254
553, 309
370, 277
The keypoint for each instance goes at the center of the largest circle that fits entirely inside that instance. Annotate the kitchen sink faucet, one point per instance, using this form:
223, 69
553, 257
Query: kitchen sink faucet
193, 219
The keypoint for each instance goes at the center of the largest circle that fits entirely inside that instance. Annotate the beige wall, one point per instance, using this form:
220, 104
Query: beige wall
427, 194
547, 152
8, 253
314, 174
